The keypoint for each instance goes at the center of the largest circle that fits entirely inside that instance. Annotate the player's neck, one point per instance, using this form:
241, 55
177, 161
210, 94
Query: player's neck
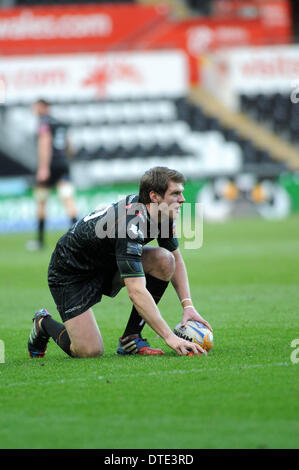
153, 211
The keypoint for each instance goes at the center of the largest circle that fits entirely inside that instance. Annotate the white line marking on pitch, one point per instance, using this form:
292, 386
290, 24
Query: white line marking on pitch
119, 376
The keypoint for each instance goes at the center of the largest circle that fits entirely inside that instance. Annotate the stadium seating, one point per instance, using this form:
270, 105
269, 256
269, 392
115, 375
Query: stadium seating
10, 167
128, 134
275, 111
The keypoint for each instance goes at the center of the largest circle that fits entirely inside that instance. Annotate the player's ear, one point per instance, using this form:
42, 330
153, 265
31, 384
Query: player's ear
154, 197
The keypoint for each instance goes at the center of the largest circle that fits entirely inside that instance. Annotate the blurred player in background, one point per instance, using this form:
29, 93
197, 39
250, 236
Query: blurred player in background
52, 169
105, 251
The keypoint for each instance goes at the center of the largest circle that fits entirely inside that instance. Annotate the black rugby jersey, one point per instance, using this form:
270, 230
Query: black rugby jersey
58, 131
108, 240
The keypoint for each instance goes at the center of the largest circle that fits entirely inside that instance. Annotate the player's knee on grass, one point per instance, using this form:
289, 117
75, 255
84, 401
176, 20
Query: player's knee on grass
87, 351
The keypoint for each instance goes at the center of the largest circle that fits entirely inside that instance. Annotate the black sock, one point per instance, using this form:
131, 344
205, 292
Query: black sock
136, 323
73, 220
41, 231
58, 332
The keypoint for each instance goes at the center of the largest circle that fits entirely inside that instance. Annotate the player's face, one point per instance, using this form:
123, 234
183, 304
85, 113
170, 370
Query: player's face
172, 201
39, 109
36, 109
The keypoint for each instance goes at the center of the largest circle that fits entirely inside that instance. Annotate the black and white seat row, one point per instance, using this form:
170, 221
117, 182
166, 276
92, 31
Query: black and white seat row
128, 132
277, 111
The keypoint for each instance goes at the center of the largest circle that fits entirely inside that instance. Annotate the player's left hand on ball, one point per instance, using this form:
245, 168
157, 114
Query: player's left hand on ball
192, 314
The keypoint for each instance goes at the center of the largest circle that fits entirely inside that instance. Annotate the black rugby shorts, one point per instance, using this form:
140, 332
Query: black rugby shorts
74, 298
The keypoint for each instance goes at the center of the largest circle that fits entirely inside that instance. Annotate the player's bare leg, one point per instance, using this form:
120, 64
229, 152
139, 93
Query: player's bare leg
85, 336
77, 337
41, 196
158, 262
65, 191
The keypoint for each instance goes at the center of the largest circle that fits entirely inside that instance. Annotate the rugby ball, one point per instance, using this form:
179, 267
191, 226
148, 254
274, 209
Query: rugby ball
195, 332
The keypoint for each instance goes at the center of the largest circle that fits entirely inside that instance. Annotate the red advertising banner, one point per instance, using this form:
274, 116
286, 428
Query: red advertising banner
201, 35
92, 75
273, 13
198, 36
75, 28
120, 27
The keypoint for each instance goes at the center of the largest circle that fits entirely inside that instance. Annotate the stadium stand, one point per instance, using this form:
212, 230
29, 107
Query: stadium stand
10, 167
263, 150
191, 132
196, 132
277, 111
140, 130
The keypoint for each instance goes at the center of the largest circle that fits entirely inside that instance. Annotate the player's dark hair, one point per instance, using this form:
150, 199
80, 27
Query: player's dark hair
157, 179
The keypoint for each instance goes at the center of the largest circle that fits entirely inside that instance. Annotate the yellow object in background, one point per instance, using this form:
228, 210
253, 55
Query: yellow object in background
259, 194
230, 191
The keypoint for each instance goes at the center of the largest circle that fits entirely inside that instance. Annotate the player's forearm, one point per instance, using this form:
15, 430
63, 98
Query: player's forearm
44, 159
44, 153
180, 280
146, 307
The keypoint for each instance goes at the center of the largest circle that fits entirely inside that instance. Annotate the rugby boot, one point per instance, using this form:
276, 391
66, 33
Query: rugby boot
38, 339
135, 344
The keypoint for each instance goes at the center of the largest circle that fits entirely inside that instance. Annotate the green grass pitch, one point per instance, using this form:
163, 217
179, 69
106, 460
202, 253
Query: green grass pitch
244, 394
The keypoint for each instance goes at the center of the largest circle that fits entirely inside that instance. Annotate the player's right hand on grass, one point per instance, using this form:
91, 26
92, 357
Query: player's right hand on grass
183, 347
